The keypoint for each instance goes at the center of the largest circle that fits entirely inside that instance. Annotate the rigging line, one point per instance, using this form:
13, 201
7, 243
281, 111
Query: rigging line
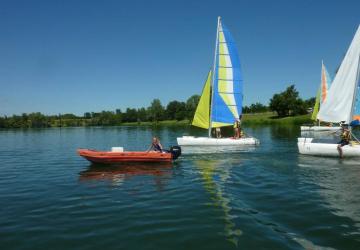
235, 93
352, 134
231, 105
227, 67
228, 80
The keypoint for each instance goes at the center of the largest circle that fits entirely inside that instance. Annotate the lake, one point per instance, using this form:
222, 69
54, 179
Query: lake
267, 198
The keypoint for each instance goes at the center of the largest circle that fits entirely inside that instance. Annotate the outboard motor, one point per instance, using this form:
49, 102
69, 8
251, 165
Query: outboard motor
175, 152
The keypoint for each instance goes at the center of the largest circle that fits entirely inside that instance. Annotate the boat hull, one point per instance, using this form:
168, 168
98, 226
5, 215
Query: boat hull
319, 128
105, 157
191, 144
306, 146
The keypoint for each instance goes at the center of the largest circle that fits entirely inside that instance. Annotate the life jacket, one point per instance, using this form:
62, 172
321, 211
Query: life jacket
157, 147
237, 124
345, 136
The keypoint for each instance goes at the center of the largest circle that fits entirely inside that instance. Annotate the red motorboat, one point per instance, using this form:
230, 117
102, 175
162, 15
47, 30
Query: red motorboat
111, 157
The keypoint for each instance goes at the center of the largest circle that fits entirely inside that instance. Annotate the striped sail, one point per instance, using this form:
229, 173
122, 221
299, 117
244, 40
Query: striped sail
325, 82
322, 92
227, 81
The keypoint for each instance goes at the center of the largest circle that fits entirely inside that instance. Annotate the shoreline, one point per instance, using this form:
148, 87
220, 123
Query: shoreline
267, 118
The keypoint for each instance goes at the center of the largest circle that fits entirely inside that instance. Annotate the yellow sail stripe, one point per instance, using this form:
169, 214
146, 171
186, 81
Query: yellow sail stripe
220, 124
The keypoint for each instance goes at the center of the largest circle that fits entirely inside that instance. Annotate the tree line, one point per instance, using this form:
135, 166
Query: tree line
174, 110
284, 104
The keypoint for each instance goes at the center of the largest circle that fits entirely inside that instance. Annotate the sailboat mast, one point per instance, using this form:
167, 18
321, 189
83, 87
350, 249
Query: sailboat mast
355, 90
213, 75
321, 82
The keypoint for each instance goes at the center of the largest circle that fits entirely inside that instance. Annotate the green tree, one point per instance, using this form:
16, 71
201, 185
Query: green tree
38, 120
255, 108
300, 107
156, 111
87, 115
130, 115
142, 115
287, 103
176, 110
191, 105
310, 102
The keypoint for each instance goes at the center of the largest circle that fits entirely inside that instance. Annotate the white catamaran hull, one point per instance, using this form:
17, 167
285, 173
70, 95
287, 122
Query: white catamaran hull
306, 146
191, 144
319, 128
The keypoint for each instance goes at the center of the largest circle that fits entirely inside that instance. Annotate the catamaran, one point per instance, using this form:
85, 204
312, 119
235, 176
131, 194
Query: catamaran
221, 99
342, 105
320, 99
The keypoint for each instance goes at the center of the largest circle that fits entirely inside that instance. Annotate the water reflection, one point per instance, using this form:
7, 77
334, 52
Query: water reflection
284, 132
119, 174
338, 182
214, 174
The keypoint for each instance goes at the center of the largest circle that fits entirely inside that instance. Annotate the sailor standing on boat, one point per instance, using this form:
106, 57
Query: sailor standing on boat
345, 138
237, 128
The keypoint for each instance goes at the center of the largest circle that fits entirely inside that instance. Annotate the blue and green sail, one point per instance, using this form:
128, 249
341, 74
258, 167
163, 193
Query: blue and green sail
225, 104
227, 81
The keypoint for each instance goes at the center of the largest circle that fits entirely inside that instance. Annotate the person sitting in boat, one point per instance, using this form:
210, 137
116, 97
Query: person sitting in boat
155, 145
218, 132
345, 138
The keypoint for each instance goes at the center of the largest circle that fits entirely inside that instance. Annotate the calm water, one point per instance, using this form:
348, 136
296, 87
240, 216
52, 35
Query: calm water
268, 198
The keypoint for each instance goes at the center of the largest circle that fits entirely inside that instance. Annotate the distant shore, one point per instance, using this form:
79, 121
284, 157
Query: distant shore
266, 118
269, 118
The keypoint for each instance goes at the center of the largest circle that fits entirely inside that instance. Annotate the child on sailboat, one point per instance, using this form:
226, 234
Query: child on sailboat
345, 138
237, 128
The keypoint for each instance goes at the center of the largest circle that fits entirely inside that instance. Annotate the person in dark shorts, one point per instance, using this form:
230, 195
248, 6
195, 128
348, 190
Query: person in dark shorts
345, 138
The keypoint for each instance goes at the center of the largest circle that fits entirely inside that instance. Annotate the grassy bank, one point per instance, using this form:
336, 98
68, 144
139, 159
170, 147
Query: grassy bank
267, 118
159, 123
270, 118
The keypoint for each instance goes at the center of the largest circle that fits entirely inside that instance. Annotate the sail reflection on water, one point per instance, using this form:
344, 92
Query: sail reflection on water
214, 175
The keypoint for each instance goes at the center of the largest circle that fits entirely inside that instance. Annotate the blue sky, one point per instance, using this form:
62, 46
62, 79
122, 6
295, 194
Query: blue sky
78, 56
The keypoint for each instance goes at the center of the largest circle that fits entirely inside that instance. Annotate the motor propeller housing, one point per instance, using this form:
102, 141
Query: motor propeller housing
175, 152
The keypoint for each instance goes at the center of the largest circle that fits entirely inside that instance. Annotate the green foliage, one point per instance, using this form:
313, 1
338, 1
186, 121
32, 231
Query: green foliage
130, 115
269, 118
288, 103
87, 115
142, 115
255, 108
191, 105
309, 103
175, 113
32, 120
156, 111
